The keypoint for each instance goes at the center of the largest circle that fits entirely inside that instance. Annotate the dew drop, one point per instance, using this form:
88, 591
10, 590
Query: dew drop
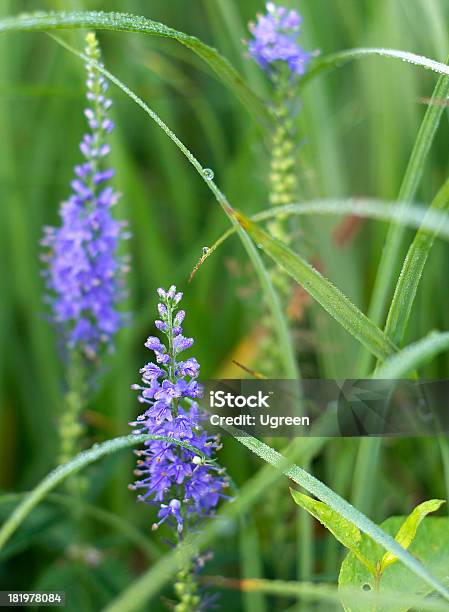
260, 246
208, 174
205, 250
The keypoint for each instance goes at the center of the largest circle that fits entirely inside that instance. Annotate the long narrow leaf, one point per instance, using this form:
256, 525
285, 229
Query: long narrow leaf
415, 168
413, 356
313, 591
72, 467
125, 22
341, 506
339, 59
370, 449
322, 290
412, 269
409, 215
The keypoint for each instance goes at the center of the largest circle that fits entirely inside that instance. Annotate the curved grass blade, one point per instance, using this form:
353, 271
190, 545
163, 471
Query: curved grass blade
125, 22
322, 290
341, 506
151, 581
339, 59
59, 474
288, 356
410, 215
128, 531
413, 356
412, 269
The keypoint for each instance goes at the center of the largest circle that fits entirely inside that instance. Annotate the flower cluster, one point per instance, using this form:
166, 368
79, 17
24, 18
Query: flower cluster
276, 40
84, 275
184, 485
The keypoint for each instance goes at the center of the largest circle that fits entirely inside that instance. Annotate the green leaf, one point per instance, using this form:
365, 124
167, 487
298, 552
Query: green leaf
343, 530
412, 269
413, 356
405, 214
322, 290
430, 546
370, 449
407, 531
59, 474
340, 505
339, 59
126, 22
388, 265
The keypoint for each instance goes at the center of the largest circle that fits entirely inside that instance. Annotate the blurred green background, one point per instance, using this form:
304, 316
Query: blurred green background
357, 126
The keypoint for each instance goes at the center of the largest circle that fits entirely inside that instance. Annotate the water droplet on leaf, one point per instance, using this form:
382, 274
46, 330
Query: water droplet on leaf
205, 250
208, 174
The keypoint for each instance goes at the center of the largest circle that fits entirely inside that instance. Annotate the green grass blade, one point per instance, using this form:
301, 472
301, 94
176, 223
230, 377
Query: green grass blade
339, 505
412, 269
404, 213
251, 565
413, 356
322, 290
307, 591
339, 59
124, 22
415, 168
271, 298
116, 522
58, 475
410, 215
370, 449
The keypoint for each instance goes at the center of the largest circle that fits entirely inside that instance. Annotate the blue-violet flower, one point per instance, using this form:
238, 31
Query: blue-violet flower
84, 274
276, 40
184, 486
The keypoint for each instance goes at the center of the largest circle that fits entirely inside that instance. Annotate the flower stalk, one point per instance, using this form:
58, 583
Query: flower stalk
83, 271
184, 486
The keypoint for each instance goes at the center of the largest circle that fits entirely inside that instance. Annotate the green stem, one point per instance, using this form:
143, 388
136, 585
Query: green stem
70, 427
307, 591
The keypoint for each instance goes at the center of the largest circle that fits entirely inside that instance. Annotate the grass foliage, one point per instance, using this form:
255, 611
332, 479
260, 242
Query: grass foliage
374, 135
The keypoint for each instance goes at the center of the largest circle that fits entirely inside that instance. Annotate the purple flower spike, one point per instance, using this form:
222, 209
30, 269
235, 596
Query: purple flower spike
185, 486
84, 274
276, 40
